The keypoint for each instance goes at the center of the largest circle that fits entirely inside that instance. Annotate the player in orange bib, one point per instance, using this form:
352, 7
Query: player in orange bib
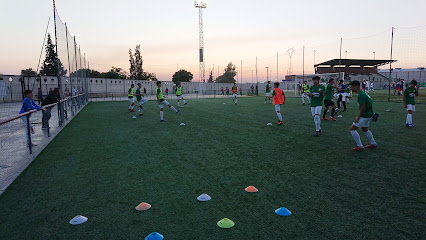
234, 93
278, 100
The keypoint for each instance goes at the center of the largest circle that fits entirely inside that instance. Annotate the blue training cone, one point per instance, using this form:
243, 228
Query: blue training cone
154, 236
203, 197
282, 211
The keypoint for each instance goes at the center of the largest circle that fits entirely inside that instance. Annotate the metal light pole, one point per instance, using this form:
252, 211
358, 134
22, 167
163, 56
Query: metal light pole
200, 4
267, 72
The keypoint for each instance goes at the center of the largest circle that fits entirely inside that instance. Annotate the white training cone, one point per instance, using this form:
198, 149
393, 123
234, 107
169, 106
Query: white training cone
269, 124
204, 197
134, 117
224, 103
340, 116
79, 219
182, 124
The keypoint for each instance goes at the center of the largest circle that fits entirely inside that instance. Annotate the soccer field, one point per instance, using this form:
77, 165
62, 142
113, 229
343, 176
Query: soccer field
104, 163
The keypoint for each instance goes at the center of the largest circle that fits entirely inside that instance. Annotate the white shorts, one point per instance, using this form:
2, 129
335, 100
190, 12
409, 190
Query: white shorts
343, 96
316, 110
305, 94
363, 122
277, 107
179, 97
268, 94
164, 104
234, 94
143, 101
132, 100
411, 107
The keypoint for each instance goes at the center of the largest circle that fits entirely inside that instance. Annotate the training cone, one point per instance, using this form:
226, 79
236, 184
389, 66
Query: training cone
134, 117
251, 189
182, 124
143, 206
225, 223
79, 219
282, 211
154, 236
204, 197
269, 124
224, 103
340, 116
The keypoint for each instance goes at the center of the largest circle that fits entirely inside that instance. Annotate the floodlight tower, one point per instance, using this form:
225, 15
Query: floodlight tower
290, 52
200, 4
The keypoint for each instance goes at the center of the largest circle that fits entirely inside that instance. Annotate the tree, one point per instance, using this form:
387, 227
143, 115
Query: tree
132, 65
182, 76
28, 72
95, 74
228, 75
49, 67
138, 62
115, 73
211, 77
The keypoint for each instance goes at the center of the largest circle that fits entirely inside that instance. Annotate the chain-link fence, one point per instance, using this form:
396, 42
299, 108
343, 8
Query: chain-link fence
35, 109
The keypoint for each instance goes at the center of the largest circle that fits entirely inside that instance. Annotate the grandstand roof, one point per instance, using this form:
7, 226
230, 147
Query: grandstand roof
355, 62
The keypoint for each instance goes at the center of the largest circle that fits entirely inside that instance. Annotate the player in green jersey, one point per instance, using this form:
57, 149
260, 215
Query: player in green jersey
409, 103
162, 101
131, 99
179, 94
316, 93
141, 98
328, 99
268, 92
363, 119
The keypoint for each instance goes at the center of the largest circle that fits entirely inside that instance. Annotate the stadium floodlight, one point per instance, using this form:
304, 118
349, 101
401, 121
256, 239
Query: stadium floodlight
10, 79
200, 4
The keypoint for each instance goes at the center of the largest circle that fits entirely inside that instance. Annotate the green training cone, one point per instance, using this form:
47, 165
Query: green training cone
225, 223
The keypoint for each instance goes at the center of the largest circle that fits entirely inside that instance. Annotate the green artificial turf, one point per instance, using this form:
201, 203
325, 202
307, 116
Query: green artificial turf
104, 163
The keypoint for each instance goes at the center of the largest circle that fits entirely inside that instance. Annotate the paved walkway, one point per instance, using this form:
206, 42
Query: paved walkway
15, 155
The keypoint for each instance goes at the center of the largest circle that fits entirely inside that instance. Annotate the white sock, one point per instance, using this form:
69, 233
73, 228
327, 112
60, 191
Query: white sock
161, 115
357, 138
173, 108
235, 101
317, 122
184, 101
309, 100
370, 137
409, 118
178, 103
131, 107
279, 116
303, 99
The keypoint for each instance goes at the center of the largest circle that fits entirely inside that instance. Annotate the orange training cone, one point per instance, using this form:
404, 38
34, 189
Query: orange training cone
143, 206
251, 189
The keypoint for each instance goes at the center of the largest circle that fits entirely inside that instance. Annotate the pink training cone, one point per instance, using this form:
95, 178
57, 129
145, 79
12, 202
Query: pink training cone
251, 189
143, 206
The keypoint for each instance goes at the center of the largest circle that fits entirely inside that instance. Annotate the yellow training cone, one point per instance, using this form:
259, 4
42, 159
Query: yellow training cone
143, 206
251, 189
225, 223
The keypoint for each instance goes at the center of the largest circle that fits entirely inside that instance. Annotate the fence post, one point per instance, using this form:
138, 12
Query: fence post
29, 135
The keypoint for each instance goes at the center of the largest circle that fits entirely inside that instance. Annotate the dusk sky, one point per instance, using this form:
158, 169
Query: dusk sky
234, 31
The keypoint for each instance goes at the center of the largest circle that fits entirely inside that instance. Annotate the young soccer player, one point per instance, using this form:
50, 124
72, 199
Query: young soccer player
305, 93
409, 102
28, 104
328, 99
234, 93
268, 92
179, 94
162, 101
348, 94
227, 91
223, 93
131, 99
363, 119
342, 95
141, 99
278, 99
316, 92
